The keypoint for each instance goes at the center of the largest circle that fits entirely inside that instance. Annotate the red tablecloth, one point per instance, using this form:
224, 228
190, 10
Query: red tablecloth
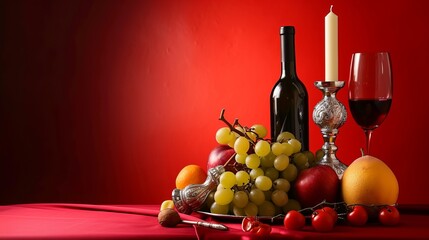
80, 221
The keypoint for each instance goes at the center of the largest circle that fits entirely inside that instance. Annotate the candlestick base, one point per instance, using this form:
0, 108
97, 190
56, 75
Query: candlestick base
330, 114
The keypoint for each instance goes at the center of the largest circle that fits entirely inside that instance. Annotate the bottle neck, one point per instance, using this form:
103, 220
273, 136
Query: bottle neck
287, 43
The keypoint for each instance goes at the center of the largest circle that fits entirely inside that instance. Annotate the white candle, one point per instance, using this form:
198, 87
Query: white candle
331, 46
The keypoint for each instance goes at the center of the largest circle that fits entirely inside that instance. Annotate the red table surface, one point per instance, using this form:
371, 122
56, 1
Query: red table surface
83, 221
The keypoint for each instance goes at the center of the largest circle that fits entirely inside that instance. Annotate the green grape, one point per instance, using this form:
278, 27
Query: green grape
254, 173
295, 144
279, 198
241, 158
240, 199
319, 155
238, 211
262, 148
257, 196
272, 173
311, 158
268, 195
281, 184
253, 161
260, 130
278, 148
227, 179
231, 207
292, 204
219, 209
220, 186
252, 136
224, 135
264, 183
281, 162
300, 159
209, 200
223, 196
290, 173
288, 149
300, 168
268, 161
242, 178
267, 209
251, 210
241, 145
284, 137
232, 141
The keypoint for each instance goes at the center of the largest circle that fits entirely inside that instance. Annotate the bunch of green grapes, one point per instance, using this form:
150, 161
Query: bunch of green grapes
268, 169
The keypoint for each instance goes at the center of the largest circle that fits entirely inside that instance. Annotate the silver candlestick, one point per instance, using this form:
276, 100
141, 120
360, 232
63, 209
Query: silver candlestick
330, 114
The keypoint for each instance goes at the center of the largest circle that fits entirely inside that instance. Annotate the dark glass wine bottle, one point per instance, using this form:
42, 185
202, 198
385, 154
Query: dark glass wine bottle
289, 97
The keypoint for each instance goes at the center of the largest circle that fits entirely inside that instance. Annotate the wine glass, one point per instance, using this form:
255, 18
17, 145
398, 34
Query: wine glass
370, 90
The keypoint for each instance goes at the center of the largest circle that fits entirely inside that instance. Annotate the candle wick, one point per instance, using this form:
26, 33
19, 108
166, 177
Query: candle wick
332, 7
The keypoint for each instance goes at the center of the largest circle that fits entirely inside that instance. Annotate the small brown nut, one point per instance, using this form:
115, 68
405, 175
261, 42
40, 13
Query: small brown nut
169, 217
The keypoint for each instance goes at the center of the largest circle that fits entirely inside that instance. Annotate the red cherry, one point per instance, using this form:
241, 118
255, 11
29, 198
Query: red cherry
331, 212
294, 220
389, 216
248, 224
263, 229
322, 221
358, 216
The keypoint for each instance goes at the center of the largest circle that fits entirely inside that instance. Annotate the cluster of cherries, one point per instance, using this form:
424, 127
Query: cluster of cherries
324, 219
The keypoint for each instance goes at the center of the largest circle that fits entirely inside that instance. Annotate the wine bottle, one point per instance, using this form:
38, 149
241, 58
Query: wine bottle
289, 97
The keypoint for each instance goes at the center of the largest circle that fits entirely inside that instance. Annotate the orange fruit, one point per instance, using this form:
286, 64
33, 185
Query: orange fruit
190, 174
369, 181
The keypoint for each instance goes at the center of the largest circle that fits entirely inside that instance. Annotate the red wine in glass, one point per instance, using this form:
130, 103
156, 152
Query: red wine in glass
369, 113
370, 90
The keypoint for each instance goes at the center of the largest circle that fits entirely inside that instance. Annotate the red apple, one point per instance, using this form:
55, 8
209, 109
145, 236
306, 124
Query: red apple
313, 185
220, 155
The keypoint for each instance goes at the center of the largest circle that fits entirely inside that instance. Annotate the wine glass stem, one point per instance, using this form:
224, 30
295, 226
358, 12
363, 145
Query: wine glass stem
368, 134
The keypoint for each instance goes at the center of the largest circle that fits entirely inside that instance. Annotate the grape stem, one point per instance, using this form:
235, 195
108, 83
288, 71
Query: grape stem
232, 126
323, 203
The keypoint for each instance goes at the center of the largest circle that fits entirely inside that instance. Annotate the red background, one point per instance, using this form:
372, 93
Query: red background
105, 101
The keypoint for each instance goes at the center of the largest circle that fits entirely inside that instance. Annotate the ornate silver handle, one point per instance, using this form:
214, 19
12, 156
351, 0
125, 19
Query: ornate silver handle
207, 224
